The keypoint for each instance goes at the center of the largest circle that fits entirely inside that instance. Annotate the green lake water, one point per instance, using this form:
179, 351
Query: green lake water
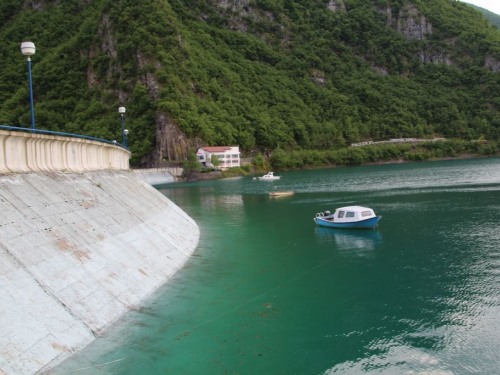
268, 292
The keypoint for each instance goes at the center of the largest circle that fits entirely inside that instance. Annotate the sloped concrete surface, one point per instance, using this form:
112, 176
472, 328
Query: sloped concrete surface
158, 176
77, 250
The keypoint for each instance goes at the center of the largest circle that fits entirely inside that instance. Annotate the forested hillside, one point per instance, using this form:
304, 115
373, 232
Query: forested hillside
492, 17
298, 74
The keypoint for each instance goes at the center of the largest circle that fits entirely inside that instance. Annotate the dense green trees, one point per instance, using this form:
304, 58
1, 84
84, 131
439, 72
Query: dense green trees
191, 164
282, 160
289, 75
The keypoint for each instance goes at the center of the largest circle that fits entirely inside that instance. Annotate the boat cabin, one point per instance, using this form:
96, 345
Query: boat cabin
352, 213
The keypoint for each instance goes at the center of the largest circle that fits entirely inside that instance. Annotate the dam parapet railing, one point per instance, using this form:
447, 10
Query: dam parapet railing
24, 150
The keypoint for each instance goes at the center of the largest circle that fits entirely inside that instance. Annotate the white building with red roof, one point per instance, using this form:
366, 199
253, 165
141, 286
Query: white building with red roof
228, 155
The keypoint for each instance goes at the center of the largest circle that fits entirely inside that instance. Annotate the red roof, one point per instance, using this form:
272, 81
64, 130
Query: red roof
216, 148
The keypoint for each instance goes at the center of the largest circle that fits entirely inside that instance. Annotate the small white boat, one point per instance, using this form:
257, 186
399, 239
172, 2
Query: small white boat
269, 177
348, 217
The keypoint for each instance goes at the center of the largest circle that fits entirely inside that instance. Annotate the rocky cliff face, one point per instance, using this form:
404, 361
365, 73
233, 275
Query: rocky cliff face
240, 12
434, 57
409, 21
171, 142
412, 24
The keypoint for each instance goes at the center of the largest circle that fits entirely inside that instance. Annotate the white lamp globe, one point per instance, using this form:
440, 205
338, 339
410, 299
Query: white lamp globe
28, 48
121, 110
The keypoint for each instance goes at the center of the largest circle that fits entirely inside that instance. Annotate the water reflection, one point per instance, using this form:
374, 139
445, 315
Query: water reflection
396, 359
357, 241
221, 202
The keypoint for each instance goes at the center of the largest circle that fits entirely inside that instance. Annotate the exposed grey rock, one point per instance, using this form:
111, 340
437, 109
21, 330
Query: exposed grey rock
239, 11
149, 79
171, 142
336, 5
380, 70
318, 76
108, 42
412, 24
235, 5
435, 57
492, 63
35, 5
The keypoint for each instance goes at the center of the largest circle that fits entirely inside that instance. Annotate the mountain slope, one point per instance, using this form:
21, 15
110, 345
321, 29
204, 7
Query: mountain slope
492, 17
305, 74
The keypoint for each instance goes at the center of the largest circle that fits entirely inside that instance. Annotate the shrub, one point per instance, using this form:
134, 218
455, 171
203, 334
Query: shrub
192, 164
234, 172
279, 159
258, 161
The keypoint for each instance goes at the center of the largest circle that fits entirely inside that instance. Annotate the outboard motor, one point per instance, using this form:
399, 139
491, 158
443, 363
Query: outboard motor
323, 214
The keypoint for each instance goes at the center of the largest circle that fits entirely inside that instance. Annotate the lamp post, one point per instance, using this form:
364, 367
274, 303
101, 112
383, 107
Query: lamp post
122, 110
28, 49
125, 132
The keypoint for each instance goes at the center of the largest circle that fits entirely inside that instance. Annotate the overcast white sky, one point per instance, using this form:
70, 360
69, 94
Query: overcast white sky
491, 5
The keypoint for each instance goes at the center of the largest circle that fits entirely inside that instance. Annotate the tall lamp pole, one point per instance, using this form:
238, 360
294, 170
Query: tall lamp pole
122, 110
125, 132
28, 49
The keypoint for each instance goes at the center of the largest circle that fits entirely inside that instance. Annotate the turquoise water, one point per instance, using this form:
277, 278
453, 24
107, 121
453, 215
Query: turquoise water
268, 292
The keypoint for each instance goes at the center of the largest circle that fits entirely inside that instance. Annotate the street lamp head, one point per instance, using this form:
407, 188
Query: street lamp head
125, 132
28, 48
114, 141
121, 110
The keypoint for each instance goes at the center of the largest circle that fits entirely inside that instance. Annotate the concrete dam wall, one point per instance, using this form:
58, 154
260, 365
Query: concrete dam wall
77, 250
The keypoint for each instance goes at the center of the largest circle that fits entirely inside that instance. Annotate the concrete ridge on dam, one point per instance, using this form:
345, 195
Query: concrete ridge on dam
77, 249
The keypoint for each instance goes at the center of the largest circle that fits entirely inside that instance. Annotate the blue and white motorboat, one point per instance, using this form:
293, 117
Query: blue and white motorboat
348, 217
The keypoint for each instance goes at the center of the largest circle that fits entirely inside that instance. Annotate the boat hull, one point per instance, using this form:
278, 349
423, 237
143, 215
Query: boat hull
362, 224
268, 178
280, 193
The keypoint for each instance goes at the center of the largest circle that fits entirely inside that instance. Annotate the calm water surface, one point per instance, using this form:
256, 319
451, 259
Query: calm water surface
268, 292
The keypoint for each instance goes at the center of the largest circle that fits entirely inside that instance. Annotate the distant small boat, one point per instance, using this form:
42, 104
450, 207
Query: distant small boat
269, 177
280, 193
348, 217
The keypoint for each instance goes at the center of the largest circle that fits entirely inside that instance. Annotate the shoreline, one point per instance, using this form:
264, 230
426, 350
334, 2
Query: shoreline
392, 161
208, 176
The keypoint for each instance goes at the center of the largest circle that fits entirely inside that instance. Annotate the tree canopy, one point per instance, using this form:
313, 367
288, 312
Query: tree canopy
262, 74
